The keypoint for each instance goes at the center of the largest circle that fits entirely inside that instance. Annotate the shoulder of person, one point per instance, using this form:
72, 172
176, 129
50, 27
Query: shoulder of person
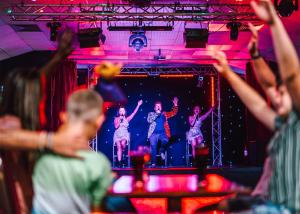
91, 156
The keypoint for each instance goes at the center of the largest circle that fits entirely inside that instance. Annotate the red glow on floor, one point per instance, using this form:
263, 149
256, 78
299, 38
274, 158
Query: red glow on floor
159, 205
216, 183
150, 205
190, 205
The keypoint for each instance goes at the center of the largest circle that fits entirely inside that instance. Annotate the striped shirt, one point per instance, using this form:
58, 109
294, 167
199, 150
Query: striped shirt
284, 149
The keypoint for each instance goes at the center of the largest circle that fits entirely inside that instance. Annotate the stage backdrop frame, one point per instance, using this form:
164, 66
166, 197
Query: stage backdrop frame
178, 71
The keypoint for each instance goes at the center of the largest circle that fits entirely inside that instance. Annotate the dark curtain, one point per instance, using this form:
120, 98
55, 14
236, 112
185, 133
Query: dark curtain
258, 135
62, 81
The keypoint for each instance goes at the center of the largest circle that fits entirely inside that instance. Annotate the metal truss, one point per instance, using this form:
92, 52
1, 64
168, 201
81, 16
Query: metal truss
216, 130
126, 12
156, 70
201, 70
93, 142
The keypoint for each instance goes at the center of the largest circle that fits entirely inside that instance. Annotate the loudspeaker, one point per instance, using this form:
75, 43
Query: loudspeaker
195, 38
89, 38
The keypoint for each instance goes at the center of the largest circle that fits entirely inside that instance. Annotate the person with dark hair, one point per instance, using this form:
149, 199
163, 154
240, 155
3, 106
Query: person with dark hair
121, 135
194, 135
159, 129
22, 107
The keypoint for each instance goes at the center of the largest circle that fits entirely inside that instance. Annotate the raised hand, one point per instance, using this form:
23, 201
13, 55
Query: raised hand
175, 101
65, 46
222, 65
253, 43
265, 10
140, 102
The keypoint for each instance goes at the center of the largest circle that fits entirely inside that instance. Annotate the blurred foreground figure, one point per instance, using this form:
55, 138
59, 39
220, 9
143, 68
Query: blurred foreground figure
284, 149
70, 185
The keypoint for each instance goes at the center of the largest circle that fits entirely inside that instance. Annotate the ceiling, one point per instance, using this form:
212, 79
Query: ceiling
171, 43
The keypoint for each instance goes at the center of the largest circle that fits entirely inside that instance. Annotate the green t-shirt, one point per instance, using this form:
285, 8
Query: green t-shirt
70, 185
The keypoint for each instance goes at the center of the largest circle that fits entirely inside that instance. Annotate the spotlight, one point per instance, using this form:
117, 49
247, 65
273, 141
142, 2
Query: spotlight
138, 40
53, 26
286, 7
234, 30
200, 82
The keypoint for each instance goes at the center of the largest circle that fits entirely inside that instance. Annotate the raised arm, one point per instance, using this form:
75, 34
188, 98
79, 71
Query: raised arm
263, 73
174, 110
140, 102
65, 48
65, 142
285, 52
204, 116
252, 100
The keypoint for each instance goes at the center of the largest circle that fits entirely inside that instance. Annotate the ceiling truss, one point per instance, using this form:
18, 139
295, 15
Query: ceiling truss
125, 12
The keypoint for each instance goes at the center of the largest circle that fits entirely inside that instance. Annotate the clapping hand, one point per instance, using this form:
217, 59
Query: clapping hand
265, 10
222, 65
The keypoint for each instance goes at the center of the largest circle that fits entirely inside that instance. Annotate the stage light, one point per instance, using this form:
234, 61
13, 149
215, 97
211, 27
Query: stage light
53, 26
200, 82
286, 7
9, 11
138, 40
234, 30
212, 84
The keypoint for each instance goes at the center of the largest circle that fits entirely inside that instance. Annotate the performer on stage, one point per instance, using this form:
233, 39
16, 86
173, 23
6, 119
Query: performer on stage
121, 135
159, 129
194, 135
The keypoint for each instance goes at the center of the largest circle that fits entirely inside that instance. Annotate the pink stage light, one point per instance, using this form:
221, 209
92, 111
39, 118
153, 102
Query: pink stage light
176, 75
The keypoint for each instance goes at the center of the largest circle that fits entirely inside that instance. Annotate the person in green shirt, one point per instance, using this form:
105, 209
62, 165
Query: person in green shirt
72, 185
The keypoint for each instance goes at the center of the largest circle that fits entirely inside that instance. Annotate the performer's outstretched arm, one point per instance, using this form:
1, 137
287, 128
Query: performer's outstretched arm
140, 102
253, 101
174, 110
286, 54
204, 116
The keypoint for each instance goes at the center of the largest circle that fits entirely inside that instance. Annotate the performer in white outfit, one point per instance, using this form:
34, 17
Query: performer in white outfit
194, 135
121, 135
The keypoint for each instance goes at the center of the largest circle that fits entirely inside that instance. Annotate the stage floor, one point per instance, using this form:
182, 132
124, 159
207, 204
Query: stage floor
247, 176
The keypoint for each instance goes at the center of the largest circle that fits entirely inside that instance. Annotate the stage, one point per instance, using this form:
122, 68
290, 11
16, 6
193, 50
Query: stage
247, 176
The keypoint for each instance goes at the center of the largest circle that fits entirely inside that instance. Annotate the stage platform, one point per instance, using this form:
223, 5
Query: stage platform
247, 176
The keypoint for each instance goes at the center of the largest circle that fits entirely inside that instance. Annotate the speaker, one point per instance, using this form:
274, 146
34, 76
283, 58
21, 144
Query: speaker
89, 38
195, 38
